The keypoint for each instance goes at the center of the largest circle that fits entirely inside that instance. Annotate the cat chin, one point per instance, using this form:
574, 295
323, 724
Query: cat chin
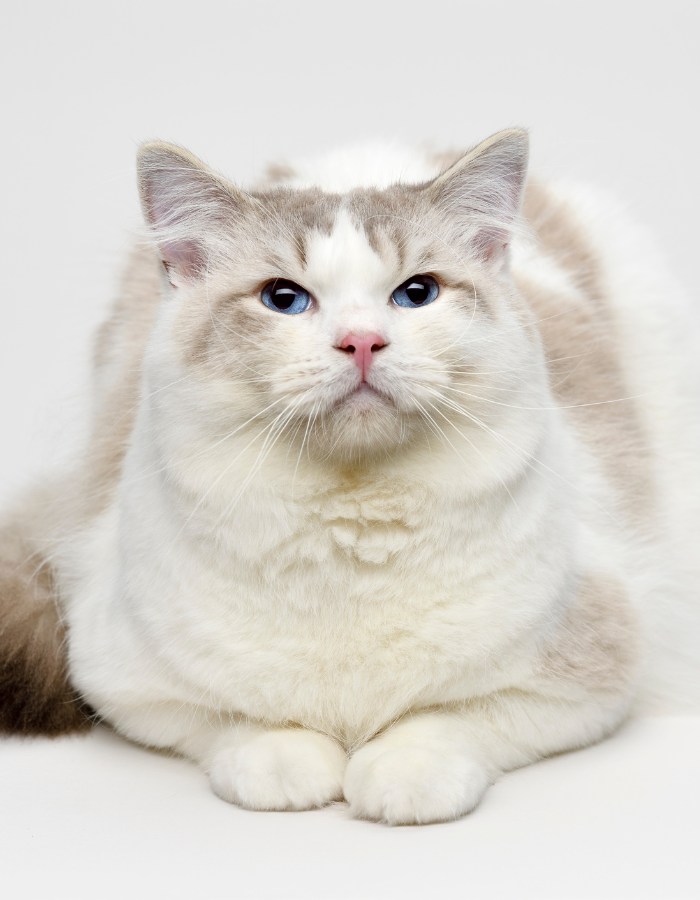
365, 423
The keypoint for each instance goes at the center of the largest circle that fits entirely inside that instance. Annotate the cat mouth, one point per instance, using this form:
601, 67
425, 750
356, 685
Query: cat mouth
364, 396
364, 389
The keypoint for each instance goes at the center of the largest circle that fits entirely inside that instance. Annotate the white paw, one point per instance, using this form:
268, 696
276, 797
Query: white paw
286, 768
412, 784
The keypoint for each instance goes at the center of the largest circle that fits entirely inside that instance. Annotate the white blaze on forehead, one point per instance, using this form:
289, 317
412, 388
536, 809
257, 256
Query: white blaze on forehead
350, 280
343, 261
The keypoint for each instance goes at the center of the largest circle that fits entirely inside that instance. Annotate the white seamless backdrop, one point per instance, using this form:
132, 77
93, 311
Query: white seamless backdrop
610, 93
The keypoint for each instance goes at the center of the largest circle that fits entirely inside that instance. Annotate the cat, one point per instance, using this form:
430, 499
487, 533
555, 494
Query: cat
392, 485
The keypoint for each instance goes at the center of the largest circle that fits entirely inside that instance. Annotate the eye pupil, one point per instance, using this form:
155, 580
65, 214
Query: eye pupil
285, 297
417, 291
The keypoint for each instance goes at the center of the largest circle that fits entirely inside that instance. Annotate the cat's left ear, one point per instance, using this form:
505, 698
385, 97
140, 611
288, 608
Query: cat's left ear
189, 208
482, 193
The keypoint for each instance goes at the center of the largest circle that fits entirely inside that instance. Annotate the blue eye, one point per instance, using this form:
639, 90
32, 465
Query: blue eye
417, 291
285, 297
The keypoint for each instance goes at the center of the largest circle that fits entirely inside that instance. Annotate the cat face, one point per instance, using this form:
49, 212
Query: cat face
347, 325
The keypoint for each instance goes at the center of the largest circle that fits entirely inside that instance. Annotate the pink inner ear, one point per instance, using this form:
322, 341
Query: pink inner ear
182, 258
491, 244
167, 200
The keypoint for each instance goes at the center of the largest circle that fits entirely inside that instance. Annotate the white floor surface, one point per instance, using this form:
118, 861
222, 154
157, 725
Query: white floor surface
97, 817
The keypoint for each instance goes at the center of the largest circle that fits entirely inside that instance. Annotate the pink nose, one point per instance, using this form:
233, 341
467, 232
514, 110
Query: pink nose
362, 346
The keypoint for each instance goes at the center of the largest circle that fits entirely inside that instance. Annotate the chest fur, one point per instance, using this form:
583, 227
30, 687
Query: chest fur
338, 610
342, 608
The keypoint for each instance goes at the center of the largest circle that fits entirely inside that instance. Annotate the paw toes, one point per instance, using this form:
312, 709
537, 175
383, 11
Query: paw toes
280, 770
411, 786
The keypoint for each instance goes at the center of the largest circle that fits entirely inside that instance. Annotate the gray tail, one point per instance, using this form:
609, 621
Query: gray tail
36, 697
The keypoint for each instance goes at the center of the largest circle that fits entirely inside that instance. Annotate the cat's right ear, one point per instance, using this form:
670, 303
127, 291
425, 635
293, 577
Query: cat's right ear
189, 209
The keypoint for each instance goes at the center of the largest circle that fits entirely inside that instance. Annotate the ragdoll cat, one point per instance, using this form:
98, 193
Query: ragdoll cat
392, 485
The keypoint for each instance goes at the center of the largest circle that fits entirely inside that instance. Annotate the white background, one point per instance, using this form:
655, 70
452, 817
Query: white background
609, 91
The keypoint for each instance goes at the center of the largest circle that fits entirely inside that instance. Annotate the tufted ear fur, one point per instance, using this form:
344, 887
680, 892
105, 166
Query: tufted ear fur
189, 208
482, 192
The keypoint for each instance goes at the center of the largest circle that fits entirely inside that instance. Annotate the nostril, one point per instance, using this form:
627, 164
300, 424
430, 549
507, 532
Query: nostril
362, 347
361, 343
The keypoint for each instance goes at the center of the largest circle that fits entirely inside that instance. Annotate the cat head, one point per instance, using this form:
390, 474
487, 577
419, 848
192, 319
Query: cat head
350, 324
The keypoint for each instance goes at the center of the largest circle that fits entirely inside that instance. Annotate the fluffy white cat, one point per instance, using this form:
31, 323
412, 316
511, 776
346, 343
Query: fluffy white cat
393, 484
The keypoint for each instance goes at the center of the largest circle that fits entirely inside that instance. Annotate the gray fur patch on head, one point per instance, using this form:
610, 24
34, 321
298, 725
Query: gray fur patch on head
295, 214
388, 217
408, 233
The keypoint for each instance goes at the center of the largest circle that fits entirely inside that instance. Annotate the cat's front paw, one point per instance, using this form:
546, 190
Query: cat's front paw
412, 784
278, 769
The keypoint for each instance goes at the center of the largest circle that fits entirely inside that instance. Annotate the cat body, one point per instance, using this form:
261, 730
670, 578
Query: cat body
441, 541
